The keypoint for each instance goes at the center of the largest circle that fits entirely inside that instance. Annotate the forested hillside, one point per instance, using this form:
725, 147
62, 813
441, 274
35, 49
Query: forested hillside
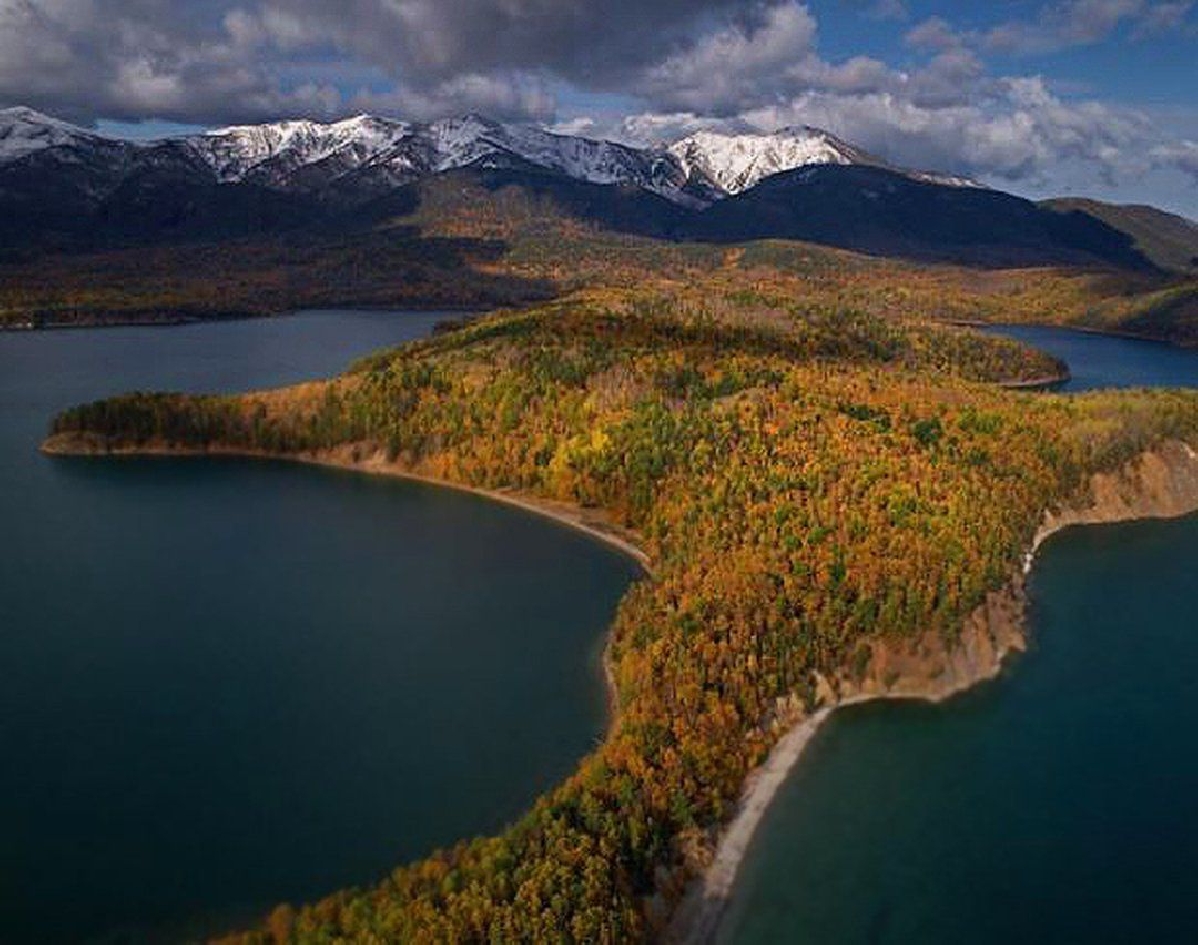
812, 479
463, 241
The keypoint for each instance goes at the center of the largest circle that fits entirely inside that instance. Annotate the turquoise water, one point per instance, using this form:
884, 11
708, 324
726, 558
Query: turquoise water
1058, 804
228, 683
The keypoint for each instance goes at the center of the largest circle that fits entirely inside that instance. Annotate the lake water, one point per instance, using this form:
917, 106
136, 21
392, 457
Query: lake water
1101, 361
229, 683
1058, 804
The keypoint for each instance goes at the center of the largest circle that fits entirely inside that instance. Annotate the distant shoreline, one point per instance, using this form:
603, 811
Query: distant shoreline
1081, 329
28, 326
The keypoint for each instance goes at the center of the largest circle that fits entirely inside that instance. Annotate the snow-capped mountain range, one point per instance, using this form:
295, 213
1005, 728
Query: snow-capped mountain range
308, 156
63, 187
286, 153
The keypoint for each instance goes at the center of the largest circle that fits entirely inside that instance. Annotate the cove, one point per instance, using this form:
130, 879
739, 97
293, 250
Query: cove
230, 683
1058, 803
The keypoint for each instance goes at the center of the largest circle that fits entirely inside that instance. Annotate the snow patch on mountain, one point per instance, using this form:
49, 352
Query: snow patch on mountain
733, 163
472, 141
236, 151
24, 131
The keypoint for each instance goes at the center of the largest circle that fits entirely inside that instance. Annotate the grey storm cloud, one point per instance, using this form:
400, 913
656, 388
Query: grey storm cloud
437, 40
215, 61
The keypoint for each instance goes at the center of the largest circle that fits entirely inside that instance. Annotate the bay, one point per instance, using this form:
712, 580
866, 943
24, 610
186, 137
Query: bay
230, 683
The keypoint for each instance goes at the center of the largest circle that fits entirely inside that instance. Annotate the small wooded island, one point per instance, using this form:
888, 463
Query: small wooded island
836, 501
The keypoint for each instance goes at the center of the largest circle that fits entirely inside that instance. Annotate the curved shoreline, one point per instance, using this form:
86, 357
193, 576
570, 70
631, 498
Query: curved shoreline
178, 318
1161, 483
1080, 329
698, 918
594, 525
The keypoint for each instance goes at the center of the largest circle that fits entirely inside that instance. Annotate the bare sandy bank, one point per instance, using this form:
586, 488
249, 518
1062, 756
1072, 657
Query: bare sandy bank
1161, 483
1039, 383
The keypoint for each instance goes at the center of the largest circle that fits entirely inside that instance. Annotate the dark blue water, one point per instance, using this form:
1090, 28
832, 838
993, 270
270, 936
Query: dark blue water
1101, 361
1058, 804
229, 683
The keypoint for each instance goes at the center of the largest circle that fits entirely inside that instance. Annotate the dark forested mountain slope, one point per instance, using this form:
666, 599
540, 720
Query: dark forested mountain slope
879, 212
1168, 240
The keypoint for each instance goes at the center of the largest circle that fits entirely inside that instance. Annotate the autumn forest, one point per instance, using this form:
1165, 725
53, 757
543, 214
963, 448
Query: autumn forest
819, 466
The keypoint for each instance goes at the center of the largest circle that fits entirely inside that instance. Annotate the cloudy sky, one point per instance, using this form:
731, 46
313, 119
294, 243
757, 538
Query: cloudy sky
1069, 96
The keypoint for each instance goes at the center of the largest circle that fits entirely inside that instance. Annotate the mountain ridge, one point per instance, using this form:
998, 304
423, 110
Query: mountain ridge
66, 188
697, 169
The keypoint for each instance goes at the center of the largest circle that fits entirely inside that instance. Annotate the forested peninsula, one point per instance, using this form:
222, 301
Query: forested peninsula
836, 495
